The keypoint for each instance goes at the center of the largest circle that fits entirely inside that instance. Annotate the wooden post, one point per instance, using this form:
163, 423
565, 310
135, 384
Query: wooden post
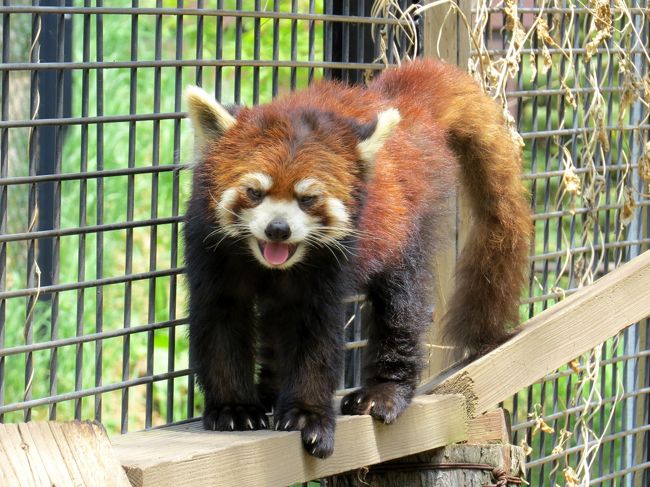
454, 465
486, 459
446, 37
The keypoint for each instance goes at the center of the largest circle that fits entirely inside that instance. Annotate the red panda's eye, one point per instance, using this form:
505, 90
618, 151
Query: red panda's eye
306, 201
255, 195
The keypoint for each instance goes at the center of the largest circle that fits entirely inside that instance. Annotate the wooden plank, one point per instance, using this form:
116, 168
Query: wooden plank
491, 427
114, 474
94, 469
68, 457
49, 453
7, 473
554, 337
421, 469
15, 455
62, 454
186, 455
30, 471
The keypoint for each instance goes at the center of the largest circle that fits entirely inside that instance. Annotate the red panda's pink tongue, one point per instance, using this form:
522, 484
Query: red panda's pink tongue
276, 253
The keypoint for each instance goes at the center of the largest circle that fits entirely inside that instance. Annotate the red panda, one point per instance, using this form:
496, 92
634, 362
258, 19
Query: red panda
328, 191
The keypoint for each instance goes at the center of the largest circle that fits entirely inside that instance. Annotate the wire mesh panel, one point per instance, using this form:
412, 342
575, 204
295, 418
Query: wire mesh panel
94, 151
574, 78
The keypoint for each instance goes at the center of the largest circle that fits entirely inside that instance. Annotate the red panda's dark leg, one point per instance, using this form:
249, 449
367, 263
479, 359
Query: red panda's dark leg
267, 387
222, 336
402, 312
221, 341
309, 359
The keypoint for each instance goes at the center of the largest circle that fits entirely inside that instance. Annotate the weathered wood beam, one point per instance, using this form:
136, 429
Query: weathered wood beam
63, 454
554, 337
186, 455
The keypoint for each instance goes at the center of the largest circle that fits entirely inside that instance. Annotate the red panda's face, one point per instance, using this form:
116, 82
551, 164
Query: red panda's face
283, 183
281, 222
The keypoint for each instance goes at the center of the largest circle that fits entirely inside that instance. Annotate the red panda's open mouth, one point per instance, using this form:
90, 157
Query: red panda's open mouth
276, 253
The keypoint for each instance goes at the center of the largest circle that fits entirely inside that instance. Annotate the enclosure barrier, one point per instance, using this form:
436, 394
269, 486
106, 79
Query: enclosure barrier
94, 158
186, 455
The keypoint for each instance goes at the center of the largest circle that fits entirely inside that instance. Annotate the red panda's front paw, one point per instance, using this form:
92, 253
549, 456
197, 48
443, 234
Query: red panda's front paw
235, 417
384, 401
316, 429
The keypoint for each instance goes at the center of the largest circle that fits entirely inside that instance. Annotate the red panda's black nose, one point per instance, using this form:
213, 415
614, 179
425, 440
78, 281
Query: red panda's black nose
278, 230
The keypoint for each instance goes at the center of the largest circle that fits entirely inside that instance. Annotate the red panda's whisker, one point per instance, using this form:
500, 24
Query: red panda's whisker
330, 242
228, 210
350, 231
238, 239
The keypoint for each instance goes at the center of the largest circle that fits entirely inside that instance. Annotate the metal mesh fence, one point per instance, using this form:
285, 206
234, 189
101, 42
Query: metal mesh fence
576, 83
94, 152
573, 80
94, 149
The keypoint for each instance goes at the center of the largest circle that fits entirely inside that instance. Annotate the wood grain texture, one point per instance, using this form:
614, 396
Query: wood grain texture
62, 454
420, 470
186, 455
556, 336
491, 427
453, 47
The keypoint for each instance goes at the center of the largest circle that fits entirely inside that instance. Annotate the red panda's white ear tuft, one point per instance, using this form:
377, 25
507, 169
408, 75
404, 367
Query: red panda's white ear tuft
209, 118
368, 148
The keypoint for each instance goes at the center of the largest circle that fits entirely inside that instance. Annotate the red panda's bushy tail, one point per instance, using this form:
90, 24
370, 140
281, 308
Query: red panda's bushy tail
492, 267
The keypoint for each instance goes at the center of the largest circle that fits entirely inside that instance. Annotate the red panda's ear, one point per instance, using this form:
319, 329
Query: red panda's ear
375, 136
209, 118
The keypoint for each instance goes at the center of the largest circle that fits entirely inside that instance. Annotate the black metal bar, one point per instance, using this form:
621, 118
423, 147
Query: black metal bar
130, 204
99, 248
4, 172
171, 338
170, 63
46, 139
238, 47
33, 278
83, 215
153, 237
219, 12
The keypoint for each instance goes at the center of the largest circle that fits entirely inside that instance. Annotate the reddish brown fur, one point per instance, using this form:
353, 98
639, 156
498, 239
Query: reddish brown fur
393, 194
491, 270
445, 118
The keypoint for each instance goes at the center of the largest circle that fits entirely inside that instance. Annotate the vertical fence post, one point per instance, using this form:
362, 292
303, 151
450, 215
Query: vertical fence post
48, 151
349, 42
445, 36
487, 459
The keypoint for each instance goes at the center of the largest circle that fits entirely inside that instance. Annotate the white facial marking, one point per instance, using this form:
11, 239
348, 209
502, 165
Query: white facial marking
300, 223
304, 227
225, 214
339, 215
258, 180
308, 186
259, 217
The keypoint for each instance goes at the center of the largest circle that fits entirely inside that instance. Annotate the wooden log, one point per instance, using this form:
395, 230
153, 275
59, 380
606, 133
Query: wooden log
492, 427
450, 466
186, 455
